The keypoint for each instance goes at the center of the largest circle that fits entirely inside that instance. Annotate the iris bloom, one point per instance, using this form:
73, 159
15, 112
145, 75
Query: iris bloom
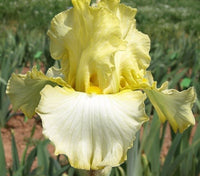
92, 107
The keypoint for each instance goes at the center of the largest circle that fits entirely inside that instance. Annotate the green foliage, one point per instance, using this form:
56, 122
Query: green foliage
176, 60
31, 14
11, 53
185, 83
164, 18
182, 157
15, 157
2, 159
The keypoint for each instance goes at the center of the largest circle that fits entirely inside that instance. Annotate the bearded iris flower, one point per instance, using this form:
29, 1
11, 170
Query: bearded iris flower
92, 107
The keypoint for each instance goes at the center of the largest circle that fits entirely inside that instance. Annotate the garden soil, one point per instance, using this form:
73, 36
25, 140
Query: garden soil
22, 132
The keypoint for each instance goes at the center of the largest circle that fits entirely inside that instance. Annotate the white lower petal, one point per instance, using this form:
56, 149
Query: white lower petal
93, 130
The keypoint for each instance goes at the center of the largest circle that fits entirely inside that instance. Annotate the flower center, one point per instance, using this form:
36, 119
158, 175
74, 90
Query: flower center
94, 90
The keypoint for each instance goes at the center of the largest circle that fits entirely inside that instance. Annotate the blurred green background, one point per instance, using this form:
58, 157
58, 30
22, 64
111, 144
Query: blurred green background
174, 30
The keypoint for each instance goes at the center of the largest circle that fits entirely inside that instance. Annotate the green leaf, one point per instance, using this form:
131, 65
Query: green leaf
112, 172
15, 156
71, 171
62, 170
38, 54
19, 171
197, 133
152, 145
27, 145
146, 166
173, 166
37, 172
121, 170
173, 56
43, 156
29, 161
185, 165
116, 172
170, 154
33, 130
51, 166
3, 81
2, 159
25, 119
163, 133
175, 79
185, 83
57, 164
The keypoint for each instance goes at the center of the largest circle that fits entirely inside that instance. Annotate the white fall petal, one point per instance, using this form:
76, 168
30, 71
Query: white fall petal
93, 130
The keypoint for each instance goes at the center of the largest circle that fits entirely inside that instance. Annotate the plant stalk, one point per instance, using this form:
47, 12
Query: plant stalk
104, 172
132, 157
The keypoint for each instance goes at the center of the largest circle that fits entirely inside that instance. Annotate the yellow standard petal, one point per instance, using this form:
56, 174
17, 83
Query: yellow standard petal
130, 63
85, 39
93, 130
24, 90
173, 106
138, 43
100, 46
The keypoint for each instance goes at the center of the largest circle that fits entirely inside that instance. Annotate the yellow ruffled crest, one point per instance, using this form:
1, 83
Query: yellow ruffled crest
110, 4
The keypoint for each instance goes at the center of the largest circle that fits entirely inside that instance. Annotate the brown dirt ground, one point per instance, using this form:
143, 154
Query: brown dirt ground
22, 132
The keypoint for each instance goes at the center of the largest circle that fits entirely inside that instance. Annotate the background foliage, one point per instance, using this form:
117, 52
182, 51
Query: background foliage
173, 27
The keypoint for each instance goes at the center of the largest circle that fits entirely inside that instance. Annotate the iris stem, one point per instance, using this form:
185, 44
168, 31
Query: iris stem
92, 173
105, 172
132, 157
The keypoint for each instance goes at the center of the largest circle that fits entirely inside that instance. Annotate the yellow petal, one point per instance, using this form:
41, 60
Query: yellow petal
138, 43
93, 130
85, 39
128, 71
24, 90
130, 63
173, 106
108, 52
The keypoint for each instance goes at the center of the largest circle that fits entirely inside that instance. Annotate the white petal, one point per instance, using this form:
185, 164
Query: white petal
93, 130
54, 72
